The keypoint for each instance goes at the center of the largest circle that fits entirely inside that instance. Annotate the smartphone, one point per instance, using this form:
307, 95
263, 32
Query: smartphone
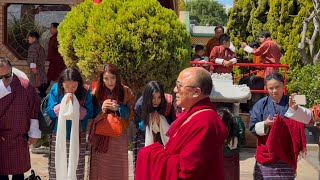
300, 99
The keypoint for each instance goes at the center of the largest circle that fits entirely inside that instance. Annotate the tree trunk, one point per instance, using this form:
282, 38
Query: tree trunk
314, 56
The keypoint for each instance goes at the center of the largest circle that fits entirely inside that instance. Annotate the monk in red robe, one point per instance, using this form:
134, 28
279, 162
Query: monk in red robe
56, 65
19, 127
269, 51
195, 148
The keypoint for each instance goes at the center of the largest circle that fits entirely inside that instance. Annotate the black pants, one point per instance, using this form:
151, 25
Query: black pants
14, 177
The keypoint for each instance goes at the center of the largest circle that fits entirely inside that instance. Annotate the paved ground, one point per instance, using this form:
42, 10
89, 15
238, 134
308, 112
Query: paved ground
306, 171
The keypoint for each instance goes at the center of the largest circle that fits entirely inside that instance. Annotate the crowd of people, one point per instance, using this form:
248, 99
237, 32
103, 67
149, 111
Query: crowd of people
179, 136
220, 50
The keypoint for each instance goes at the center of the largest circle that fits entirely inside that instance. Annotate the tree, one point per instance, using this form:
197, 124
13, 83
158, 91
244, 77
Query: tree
207, 12
143, 39
314, 55
239, 16
290, 22
181, 5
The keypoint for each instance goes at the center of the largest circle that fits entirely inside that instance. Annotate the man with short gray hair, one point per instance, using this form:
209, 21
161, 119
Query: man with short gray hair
194, 150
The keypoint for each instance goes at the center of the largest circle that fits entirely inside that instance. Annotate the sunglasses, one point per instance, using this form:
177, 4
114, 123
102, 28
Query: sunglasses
6, 76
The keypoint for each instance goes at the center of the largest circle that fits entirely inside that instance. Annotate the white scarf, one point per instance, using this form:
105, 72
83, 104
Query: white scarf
153, 126
70, 111
3, 90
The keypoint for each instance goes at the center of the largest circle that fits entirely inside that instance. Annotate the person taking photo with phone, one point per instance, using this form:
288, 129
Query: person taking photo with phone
278, 122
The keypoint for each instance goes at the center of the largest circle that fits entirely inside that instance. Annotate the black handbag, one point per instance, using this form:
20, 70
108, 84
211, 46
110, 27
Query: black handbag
33, 176
46, 124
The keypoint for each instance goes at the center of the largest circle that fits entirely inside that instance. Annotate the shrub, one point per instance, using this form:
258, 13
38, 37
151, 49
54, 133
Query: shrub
306, 80
143, 39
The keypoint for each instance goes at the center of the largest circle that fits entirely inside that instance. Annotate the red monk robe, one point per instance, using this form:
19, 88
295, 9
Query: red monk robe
56, 65
194, 150
272, 148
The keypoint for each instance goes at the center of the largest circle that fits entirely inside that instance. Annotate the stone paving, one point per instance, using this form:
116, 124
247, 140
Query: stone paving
306, 171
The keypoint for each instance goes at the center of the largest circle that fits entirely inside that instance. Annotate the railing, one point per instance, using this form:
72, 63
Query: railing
286, 67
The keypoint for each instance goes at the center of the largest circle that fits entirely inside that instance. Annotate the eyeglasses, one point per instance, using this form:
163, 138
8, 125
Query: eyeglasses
179, 86
6, 76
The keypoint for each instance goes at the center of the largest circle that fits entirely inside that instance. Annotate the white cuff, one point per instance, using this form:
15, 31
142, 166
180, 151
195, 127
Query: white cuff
248, 49
33, 65
219, 61
302, 114
34, 131
234, 60
260, 129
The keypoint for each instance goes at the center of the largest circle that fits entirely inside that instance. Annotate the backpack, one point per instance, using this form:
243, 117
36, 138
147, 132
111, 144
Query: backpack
241, 131
46, 124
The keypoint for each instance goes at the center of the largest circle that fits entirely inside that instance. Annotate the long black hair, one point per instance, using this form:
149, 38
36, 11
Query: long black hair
230, 122
72, 74
100, 89
147, 106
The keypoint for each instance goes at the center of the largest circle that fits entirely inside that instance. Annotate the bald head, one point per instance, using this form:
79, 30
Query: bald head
5, 66
198, 77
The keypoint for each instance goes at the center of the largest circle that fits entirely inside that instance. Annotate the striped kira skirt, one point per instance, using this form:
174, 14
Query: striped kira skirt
276, 171
81, 163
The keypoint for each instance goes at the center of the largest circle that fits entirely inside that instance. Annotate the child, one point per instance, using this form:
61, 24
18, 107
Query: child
223, 55
199, 49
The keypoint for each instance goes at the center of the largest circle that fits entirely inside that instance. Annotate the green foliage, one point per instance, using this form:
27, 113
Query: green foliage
284, 19
143, 39
71, 31
207, 12
181, 5
239, 15
306, 80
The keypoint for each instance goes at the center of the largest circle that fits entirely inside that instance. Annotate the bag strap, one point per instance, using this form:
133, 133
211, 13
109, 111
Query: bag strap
86, 87
190, 117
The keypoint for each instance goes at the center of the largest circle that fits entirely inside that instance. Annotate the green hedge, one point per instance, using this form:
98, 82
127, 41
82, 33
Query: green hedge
145, 40
306, 80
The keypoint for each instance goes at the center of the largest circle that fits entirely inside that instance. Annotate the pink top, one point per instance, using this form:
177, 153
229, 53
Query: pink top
83, 111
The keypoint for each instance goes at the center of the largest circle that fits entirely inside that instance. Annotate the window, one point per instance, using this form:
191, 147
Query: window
23, 18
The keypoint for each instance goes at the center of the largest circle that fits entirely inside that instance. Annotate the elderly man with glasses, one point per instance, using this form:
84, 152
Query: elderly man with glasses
19, 127
195, 147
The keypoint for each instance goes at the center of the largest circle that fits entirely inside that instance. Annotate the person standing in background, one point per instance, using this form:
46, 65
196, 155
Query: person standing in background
214, 41
36, 62
269, 51
57, 64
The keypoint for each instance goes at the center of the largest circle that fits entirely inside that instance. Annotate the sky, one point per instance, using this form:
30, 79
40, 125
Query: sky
226, 3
